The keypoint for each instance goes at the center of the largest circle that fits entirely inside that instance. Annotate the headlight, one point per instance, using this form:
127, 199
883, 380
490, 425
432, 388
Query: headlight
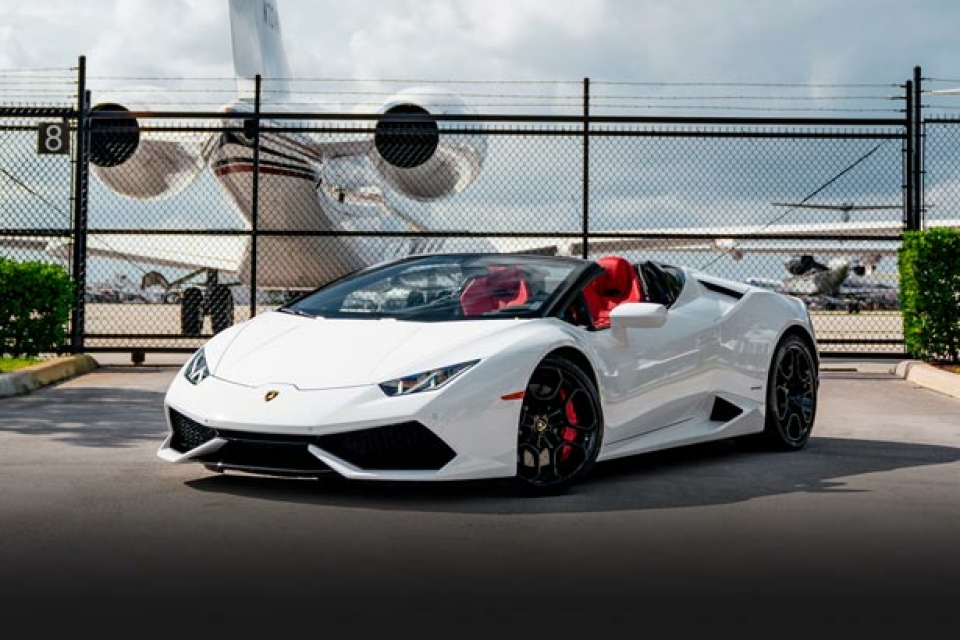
425, 381
196, 370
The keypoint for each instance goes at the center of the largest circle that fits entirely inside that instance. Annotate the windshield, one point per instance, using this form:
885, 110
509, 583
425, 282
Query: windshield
445, 287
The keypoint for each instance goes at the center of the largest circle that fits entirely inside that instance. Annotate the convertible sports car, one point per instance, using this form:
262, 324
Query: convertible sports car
465, 366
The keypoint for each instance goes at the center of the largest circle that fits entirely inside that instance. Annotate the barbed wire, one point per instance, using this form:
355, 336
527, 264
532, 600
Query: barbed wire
530, 96
605, 96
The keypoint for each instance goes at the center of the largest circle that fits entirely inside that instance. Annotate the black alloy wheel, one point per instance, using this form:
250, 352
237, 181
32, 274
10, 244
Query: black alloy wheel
561, 427
791, 395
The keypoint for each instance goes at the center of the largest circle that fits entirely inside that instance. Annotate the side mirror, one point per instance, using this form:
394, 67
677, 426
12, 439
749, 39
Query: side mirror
638, 315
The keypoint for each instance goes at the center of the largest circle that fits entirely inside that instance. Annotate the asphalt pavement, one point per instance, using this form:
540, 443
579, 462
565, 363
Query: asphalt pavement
858, 532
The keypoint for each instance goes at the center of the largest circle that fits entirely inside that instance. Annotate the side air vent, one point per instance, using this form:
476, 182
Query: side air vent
409, 446
724, 411
722, 290
188, 434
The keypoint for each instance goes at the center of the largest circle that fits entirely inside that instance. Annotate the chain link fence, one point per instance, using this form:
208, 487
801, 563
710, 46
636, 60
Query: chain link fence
188, 223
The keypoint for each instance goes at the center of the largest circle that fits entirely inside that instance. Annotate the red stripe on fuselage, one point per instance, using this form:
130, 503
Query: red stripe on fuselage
277, 171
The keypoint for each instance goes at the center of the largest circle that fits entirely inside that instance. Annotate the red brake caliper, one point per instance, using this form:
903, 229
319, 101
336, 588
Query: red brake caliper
569, 434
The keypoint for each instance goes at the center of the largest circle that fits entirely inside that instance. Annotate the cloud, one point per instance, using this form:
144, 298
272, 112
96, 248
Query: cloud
790, 41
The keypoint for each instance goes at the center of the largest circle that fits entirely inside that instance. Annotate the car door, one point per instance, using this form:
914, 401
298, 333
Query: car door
655, 378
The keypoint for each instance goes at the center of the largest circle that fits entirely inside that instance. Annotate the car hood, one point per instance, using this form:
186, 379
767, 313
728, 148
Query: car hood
324, 353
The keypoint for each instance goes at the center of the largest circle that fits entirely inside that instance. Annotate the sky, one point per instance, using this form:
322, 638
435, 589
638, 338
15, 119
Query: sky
816, 43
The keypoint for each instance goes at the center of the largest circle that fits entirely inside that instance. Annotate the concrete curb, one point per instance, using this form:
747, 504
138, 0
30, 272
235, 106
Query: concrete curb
914, 371
41, 374
925, 375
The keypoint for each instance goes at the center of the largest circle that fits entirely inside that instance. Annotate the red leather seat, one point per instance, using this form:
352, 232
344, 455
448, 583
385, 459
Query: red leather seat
618, 283
504, 286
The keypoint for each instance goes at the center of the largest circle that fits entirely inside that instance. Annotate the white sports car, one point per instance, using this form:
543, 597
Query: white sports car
466, 366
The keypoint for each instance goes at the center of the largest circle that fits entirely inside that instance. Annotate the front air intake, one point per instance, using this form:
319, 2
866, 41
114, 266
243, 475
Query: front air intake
407, 447
267, 453
188, 434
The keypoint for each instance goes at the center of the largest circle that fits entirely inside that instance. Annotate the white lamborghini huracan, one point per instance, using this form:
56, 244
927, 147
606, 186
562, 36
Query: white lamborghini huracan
466, 366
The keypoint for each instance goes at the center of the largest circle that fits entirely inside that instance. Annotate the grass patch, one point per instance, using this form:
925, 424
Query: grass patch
12, 364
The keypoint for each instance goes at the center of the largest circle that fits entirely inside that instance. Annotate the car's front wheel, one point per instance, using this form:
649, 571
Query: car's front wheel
561, 427
792, 386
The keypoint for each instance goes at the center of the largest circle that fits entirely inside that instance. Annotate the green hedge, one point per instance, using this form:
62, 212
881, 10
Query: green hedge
930, 294
35, 299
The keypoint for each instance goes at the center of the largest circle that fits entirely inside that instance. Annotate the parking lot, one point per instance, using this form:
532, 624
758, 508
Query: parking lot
861, 527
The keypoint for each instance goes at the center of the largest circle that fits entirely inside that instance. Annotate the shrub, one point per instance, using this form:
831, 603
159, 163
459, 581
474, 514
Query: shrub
930, 293
35, 301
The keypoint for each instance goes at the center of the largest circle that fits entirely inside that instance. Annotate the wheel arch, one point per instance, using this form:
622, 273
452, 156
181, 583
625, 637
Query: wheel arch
789, 429
578, 358
556, 412
802, 333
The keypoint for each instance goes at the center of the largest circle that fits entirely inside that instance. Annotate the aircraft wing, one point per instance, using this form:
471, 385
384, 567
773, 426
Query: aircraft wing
827, 238
834, 238
224, 253
838, 207
572, 245
28, 243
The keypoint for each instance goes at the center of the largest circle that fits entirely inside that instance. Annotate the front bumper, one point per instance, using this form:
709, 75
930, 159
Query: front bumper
464, 431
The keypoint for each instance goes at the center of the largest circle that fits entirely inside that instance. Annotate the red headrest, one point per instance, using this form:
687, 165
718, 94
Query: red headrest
504, 276
620, 275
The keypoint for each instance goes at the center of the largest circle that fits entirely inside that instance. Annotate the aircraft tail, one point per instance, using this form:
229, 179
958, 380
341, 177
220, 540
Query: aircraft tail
258, 46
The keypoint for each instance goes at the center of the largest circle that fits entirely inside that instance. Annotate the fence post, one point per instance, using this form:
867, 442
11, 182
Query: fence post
918, 171
81, 183
585, 229
913, 218
908, 160
255, 199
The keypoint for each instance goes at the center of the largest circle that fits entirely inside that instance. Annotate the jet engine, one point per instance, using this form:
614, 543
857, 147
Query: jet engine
141, 164
424, 158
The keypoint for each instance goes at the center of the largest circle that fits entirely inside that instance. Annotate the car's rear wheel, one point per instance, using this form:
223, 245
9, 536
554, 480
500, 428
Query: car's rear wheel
561, 427
792, 386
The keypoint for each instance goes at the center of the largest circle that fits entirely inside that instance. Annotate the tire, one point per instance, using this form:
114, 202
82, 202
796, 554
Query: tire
560, 430
191, 312
792, 386
220, 306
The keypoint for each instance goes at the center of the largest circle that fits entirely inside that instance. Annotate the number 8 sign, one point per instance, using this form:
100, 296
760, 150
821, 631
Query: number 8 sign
53, 138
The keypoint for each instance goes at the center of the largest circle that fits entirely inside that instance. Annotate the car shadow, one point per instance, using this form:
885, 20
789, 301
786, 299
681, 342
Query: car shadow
700, 475
87, 417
